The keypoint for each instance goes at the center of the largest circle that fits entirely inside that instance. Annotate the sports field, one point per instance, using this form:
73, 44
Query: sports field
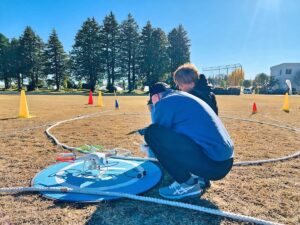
268, 191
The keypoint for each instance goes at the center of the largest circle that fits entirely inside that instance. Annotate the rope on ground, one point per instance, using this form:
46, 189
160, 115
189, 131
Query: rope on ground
263, 161
150, 199
141, 198
56, 141
242, 163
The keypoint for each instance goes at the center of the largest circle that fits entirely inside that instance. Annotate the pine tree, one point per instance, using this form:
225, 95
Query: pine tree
15, 62
56, 60
179, 49
31, 47
4, 61
86, 53
110, 46
129, 37
159, 58
145, 56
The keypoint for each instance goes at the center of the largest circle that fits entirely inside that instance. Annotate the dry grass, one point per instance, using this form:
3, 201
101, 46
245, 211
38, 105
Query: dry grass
269, 191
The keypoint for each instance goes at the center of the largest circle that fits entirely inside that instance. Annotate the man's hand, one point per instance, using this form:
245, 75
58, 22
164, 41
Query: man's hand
132, 132
140, 132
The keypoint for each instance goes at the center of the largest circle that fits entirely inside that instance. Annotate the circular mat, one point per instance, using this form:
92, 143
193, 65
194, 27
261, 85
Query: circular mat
127, 176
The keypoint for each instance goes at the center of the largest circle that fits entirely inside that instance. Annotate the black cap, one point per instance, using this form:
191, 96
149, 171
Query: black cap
158, 88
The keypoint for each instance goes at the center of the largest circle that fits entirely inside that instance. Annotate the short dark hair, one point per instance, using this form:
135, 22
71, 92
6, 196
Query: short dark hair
158, 87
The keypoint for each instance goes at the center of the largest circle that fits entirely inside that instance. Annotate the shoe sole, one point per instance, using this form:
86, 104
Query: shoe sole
190, 195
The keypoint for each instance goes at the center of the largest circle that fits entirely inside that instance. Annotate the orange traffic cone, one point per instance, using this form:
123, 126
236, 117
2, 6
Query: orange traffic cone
254, 108
90, 98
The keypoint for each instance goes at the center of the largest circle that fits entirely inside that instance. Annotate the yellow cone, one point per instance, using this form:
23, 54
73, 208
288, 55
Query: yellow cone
100, 100
286, 106
24, 113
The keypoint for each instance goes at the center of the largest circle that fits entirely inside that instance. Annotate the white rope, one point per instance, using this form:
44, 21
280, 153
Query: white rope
243, 163
259, 162
150, 199
260, 122
140, 198
56, 141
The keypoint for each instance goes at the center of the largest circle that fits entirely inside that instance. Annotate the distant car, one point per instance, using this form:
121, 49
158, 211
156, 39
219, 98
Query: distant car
247, 91
103, 88
146, 88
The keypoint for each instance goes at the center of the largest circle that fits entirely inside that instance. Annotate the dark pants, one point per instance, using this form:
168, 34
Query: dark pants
181, 156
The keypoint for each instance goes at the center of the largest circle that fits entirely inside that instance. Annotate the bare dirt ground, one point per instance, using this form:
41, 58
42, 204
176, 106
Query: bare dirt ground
269, 191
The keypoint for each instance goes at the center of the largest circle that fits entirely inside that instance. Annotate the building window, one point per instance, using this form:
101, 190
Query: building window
288, 71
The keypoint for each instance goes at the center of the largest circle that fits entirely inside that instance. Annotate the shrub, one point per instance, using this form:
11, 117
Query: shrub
228, 91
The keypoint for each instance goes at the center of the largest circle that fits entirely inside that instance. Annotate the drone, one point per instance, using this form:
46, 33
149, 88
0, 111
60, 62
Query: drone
92, 161
95, 160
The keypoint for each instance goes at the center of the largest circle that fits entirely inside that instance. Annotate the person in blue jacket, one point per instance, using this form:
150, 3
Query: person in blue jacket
188, 139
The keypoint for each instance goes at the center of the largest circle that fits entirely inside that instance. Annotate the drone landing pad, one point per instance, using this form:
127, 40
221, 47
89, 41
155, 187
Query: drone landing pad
126, 176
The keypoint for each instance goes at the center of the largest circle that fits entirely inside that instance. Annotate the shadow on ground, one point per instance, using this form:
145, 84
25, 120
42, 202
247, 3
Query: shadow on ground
126, 211
9, 118
133, 212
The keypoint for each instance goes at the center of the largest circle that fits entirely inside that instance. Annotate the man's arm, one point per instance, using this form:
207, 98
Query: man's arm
162, 115
139, 131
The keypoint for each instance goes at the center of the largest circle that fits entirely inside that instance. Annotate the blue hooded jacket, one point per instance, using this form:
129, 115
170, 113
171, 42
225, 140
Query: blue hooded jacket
190, 116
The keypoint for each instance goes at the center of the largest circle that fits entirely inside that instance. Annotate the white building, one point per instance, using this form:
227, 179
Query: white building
287, 71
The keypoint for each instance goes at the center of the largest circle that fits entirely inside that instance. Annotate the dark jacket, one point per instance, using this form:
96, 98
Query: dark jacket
204, 92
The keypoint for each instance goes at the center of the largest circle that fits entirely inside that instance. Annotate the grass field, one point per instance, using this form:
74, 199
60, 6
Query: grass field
269, 191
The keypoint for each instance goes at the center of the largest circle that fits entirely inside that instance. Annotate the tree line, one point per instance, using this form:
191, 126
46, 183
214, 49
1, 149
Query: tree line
110, 50
237, 78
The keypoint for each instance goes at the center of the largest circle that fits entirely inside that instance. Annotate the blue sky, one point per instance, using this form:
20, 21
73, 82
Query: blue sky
256, 33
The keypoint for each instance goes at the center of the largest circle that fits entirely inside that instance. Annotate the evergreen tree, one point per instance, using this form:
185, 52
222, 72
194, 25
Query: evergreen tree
4, 61
86, 53
31, 47
145, 56
160, 60
179, 49
110, 46
129, 37
15, 62
56, 60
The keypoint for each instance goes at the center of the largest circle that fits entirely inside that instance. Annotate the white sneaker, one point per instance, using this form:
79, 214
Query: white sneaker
179, 191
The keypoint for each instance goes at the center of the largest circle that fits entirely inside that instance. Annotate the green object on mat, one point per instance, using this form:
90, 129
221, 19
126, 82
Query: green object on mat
89, 148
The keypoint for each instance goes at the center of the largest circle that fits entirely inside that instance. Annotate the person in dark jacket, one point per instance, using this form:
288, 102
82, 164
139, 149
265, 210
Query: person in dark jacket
188, 139
187, 79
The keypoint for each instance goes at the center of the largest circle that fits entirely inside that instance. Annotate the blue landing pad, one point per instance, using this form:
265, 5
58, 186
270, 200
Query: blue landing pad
127, 176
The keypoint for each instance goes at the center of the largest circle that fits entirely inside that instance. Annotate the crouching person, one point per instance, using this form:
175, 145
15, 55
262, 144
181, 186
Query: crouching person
189, 141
